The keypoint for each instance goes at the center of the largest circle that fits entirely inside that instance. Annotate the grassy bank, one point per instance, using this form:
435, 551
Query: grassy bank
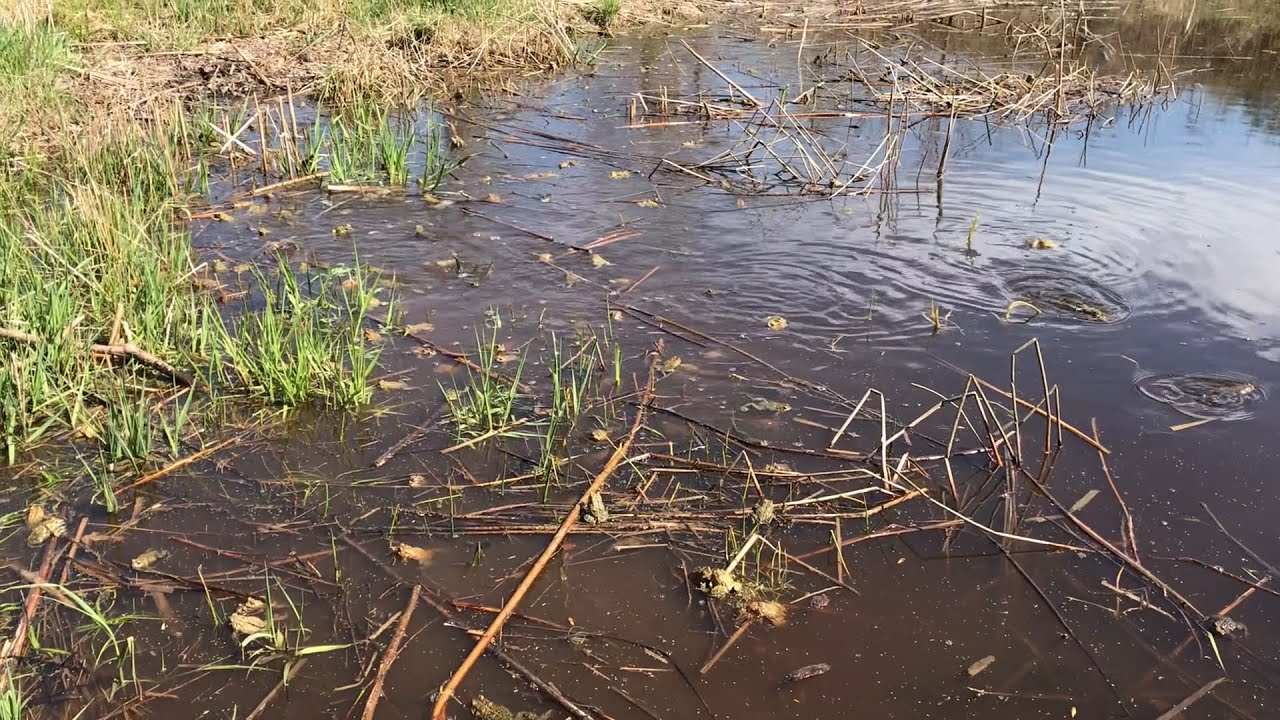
119, 117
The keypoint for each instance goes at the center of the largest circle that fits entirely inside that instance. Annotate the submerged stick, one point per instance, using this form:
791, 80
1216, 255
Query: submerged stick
389, 658
413, 436
737, 634
549, 688
14, 648
438, 712
1257, 558
271, 696
1176, 710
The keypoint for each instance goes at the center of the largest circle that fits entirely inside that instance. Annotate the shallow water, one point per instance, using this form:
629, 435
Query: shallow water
1169, 209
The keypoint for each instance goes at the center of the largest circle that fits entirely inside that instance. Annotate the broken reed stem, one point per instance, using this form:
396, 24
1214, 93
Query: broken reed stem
439, 711
1048, 415
737, 634
389, 657
1124, 507
1131, 563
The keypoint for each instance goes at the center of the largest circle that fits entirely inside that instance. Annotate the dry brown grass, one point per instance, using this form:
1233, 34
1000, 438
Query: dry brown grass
338, 50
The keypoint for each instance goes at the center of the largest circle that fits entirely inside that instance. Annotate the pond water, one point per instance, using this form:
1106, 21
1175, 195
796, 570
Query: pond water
1164, 214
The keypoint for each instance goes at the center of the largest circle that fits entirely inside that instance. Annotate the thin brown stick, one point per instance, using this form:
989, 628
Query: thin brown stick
737, 634
271, 696
644, 277
550, 689
723, 77
413, 436
1035, 408
438, 712
14, 648
127, 351
137, 354
389, 657
181, 462
1176, 710
71, 553
286, 183
1128, 517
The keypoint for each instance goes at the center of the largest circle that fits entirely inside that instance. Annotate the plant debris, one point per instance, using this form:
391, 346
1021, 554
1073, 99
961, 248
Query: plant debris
806, 672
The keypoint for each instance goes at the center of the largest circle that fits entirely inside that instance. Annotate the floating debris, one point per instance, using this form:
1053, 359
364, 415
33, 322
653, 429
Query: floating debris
619, 174
598, 260
806, 672
981, 665
1084, 501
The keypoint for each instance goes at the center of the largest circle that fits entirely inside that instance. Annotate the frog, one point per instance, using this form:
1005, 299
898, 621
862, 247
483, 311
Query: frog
148, 558
486, 709
1224, 626
595, 512
1073, 305
763, 405
48, 527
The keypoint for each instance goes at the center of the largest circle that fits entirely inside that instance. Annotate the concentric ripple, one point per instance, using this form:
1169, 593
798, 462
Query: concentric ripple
1205, 396
1067, 296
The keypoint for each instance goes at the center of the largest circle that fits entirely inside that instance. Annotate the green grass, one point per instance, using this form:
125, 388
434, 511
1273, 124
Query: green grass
307, 341
603, 12
485, 404
94, 252
31, 63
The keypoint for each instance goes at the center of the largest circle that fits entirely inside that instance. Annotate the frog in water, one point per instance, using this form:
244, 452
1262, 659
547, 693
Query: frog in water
595, 512
486, 709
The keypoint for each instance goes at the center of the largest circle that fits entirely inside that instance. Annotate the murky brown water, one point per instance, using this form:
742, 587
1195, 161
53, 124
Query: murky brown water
1169, 210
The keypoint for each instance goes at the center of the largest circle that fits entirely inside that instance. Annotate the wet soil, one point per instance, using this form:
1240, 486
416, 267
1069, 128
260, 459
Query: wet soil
1168, 212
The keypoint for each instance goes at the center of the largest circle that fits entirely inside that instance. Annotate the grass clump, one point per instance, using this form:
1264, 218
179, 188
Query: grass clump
307, 342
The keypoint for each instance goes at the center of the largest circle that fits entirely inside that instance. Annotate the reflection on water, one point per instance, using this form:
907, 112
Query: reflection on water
1163, 219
